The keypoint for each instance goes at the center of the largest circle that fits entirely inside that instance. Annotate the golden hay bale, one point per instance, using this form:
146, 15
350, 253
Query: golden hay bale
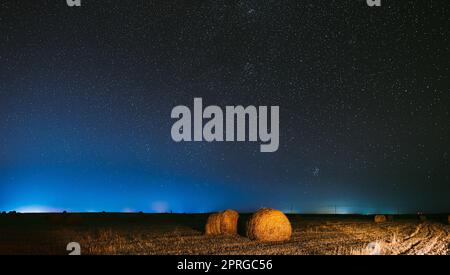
380, 218
222, 223
423, 218
213, 224
269, 225
448, 219
228, 222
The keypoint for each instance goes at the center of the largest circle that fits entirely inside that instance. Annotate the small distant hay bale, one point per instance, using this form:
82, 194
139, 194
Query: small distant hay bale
422, 218
222, 223
380, 218
269, 225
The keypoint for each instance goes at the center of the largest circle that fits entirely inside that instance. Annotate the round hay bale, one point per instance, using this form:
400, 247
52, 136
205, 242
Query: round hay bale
213, 224
228, 222
269, 225
448, 219
422, 218
380, 218
222, 223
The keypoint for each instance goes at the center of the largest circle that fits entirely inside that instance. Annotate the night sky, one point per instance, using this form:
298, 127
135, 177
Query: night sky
86, 95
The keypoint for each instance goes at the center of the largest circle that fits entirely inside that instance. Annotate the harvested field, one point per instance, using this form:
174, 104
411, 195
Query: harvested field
184, 234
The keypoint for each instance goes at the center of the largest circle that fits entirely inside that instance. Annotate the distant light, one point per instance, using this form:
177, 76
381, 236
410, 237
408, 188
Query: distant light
37, 209
91, 211
160, 207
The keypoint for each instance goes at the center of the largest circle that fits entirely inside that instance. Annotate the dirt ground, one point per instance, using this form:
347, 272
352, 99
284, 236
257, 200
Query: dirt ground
105, 233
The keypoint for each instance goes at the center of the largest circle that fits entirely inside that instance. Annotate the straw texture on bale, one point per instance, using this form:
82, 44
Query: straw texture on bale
229, 222
213, 224
222, 223
380, 218
269, 225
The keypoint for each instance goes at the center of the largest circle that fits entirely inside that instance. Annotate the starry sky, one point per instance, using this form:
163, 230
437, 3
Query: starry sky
86, 95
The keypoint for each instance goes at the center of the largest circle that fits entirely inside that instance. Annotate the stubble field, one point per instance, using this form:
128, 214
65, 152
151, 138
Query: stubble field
104, 233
